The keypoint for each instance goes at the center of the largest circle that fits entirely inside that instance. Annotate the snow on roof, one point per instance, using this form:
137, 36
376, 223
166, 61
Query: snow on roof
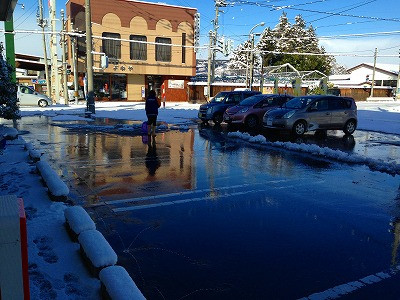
379, 165
391, 68
119, 284
78, 219
97, 249
56, 186
161, 3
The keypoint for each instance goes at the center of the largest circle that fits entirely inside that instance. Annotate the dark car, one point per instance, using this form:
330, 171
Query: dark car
308, 113
251, 110
214, 110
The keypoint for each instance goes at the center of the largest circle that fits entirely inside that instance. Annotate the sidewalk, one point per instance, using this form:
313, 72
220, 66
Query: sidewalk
56, 270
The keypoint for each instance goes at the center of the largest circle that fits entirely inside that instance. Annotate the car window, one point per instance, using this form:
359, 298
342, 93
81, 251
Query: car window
298, 102
219, 97
233, 98
250, 101
320, 105
336, 104
26, 90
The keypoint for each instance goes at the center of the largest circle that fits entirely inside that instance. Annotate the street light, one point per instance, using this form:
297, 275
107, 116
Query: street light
251, 38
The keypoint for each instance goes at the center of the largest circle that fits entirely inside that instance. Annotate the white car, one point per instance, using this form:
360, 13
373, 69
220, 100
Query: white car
28, 96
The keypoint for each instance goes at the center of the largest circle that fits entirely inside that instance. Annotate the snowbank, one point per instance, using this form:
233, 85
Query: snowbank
375, 164
57, 188
118, 285
8, 132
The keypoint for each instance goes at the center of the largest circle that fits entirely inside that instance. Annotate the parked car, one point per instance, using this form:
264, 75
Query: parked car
250, 111
28, 96
308, 113
214, 110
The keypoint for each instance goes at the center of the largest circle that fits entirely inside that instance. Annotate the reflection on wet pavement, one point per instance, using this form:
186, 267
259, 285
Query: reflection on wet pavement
195, 215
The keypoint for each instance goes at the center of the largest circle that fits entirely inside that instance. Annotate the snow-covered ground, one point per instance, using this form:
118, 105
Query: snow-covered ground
56, 270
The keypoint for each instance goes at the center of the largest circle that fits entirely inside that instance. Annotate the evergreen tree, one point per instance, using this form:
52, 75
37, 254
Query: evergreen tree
240, 58
8, 90
288, 38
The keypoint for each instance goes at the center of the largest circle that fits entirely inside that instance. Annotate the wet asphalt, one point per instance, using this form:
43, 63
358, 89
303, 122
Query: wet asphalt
196, 215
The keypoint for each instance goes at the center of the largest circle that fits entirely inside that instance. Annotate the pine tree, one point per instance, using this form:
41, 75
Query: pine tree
8, 90
288, 38
240, 58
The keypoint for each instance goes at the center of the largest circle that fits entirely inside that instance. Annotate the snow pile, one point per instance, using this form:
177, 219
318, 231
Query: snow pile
375, 164
56, 186
78, 219
8, 132
118, 284
97, 249
34, 154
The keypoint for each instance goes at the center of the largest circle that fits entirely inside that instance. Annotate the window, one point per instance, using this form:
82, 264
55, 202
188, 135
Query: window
233, 98
163, 52
138, 51
183, 48
26, 90
112, 48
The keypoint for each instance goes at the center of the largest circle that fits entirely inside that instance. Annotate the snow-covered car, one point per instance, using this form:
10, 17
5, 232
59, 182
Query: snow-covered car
309, 113
28, 96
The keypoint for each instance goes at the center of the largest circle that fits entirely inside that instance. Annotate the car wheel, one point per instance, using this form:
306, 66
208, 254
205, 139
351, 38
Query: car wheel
42, 103
350, 127
217, 118
299, 128
251, 122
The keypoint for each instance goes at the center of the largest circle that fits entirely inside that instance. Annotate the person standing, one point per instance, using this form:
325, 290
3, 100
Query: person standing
152, 105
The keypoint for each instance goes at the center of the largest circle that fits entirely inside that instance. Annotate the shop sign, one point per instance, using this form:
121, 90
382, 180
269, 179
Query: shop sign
176, 84
38, 81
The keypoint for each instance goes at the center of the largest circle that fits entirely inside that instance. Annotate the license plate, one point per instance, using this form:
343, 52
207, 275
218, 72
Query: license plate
226, 118
269, 122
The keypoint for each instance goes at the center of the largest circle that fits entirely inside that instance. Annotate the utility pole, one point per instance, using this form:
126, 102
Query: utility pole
212, 46
74, 65
262, 73
251, 62
90, 108
53, 50
64, 62
373, 73
43, 23
210, 33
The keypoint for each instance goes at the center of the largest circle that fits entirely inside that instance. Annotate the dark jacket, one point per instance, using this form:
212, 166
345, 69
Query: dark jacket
152, 106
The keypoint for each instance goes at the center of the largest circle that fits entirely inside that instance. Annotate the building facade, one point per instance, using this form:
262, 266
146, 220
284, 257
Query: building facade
148, 45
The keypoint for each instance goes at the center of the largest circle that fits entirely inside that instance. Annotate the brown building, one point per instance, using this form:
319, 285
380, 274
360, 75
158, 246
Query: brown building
149, 46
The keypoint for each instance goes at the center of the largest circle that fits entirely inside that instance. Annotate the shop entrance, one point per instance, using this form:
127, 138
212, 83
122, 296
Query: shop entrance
154, 82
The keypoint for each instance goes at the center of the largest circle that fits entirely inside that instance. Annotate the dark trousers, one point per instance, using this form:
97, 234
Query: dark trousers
151, 120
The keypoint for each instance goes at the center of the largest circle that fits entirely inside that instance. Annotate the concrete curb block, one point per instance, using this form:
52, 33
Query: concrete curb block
116, 284
77, 221
96, 251
58, 190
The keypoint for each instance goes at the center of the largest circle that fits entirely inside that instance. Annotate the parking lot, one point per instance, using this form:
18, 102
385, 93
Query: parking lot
201, 215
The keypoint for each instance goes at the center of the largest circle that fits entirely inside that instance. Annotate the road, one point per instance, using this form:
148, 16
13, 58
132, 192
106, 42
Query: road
199, 215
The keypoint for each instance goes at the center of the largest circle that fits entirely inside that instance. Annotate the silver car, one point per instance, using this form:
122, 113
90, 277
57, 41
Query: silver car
308, 113
28, 96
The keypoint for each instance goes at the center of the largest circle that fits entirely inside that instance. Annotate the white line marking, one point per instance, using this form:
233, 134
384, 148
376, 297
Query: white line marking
122, 209
347, 288
183, 193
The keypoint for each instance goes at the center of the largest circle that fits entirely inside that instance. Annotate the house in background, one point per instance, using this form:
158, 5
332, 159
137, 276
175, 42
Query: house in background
357, 83
146, 44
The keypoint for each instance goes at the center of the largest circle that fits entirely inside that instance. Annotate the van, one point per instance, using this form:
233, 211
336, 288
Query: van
214, 110
28, 96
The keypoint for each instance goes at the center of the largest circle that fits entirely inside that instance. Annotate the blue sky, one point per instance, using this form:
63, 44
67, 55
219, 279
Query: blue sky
240, 16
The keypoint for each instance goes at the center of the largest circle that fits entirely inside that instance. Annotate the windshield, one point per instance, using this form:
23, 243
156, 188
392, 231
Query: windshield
219, 97
298, 102
251, 100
